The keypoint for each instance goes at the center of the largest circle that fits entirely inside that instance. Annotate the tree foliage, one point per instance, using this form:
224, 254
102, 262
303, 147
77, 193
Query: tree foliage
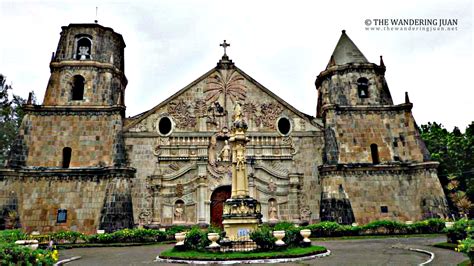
454, 151
11, 114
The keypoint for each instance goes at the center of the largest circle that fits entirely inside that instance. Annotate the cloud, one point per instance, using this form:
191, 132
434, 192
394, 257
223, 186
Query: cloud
282, 44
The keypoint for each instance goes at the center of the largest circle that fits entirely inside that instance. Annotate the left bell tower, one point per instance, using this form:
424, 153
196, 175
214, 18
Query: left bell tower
80, 121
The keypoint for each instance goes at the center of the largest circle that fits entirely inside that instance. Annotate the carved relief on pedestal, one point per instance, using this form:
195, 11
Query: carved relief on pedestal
144, 217
305, 211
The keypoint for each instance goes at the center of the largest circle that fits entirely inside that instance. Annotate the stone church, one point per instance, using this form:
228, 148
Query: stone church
80, 164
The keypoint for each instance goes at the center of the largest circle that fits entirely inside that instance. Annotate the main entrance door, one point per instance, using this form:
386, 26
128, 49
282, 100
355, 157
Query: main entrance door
218, 197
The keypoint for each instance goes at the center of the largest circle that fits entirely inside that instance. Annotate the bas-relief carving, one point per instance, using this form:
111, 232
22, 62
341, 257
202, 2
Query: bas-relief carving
269, 112
305, 211
219, 154
227, 83
179, 110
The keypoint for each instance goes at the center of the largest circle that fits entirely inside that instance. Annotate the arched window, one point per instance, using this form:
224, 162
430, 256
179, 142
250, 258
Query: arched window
83, 48
374, 150
363, 87
66, 157
78, 88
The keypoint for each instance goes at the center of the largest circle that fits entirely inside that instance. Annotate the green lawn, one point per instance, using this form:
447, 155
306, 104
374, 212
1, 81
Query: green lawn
465, 263
202, 255
446, 245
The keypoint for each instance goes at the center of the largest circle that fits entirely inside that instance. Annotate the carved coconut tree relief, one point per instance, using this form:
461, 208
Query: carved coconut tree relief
227, 84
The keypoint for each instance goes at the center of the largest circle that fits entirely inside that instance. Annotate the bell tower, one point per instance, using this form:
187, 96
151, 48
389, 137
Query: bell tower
80, 121
370, 143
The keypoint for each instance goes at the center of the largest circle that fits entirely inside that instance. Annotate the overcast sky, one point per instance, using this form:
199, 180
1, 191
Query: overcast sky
282, 44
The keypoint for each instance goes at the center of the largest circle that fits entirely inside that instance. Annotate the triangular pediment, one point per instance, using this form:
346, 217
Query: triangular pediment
207, 104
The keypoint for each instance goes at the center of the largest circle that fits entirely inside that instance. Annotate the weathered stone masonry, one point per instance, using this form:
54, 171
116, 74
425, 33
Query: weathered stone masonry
360, 159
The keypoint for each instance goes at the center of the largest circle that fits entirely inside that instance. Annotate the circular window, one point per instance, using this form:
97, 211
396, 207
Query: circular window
165, 125
284, 125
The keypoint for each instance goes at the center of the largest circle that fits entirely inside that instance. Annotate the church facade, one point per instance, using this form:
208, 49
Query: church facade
80, 164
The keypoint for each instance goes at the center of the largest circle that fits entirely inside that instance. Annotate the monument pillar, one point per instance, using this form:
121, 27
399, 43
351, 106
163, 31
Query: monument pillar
242, 213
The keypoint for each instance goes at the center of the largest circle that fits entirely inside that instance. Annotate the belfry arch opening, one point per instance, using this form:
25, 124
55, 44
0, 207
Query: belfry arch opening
83, 48
363, 87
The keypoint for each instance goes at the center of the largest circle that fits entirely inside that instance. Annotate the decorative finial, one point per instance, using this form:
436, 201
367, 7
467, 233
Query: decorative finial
30, 98
343, 31
225, 45
96, 20
407, 99
381, 62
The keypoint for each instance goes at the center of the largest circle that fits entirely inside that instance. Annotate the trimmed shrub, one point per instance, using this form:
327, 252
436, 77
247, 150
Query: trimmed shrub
67, 236
293, 237
459, 230
196, 239
325, 229
383, 227
175, 229
283, 226
129, 236
264, 238
429, 226
11, 236
12, 254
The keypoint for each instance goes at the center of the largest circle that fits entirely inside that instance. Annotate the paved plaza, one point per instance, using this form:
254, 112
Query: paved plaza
386, 251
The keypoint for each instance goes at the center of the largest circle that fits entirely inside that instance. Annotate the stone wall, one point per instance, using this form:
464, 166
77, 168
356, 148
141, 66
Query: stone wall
93, 200
94, 138
410, 192
351, 130
102, 84
339, 85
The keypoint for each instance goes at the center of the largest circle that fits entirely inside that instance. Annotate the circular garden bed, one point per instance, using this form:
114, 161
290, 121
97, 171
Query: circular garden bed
296, 252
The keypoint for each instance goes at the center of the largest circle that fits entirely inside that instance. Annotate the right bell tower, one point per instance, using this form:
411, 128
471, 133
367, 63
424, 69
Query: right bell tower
371, 144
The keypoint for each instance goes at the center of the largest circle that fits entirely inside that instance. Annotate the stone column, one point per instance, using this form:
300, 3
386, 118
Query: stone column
155, 187
201, 193
293, 203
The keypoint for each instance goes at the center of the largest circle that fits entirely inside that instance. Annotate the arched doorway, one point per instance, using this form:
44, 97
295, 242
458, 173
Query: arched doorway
218, 197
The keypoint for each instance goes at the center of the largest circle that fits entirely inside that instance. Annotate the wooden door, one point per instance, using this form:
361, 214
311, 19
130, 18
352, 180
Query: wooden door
218, 197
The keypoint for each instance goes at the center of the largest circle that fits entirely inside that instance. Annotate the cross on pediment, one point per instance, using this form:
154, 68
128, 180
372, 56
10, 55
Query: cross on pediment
225, 45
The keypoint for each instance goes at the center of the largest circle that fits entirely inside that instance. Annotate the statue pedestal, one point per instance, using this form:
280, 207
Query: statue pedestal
241, 216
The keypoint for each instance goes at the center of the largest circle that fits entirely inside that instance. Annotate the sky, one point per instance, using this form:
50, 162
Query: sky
283, 45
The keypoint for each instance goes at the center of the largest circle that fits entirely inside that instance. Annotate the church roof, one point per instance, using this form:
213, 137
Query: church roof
346, 52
